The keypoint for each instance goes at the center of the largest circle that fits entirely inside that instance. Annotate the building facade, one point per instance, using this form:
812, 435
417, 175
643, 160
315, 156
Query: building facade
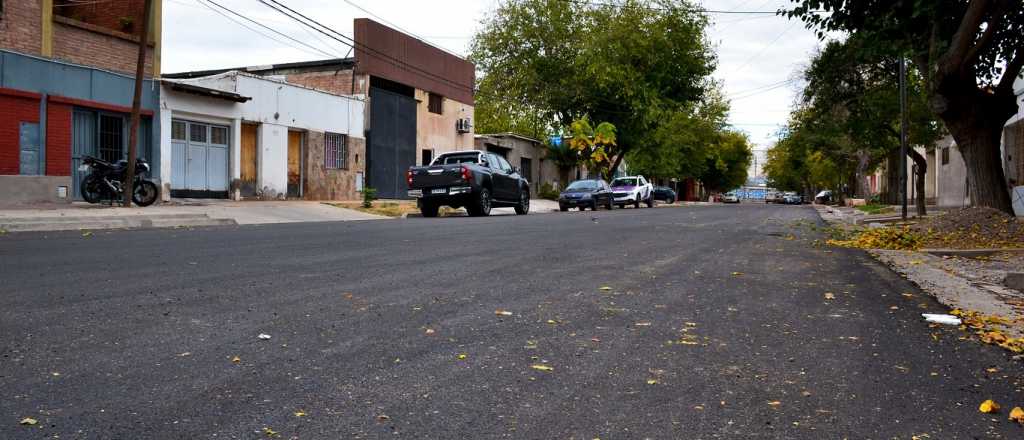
420, 98
237, 135
66, 89
528, 155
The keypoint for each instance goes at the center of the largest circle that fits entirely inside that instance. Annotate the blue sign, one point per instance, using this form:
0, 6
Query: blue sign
556, 141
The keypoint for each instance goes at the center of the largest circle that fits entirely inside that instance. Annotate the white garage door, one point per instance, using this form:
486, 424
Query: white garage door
199, 160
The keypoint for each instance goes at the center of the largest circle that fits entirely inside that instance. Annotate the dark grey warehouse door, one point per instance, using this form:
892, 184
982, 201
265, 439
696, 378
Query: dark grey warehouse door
392, 142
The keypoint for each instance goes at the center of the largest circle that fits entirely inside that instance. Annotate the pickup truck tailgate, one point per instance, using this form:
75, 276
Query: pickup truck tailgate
438, 175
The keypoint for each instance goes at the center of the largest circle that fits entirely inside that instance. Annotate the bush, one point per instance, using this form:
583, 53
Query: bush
548, 191
369, 195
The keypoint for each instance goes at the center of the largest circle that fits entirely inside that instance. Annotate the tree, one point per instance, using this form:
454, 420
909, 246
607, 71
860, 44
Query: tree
970, 52
627, 63
564, 157
592, 145
727, 162
851, 111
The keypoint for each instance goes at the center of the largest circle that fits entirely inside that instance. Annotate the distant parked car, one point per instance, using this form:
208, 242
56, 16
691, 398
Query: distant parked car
792, 198
633, 190
588, 193
664, 194
824, 197
773, 197
731, 197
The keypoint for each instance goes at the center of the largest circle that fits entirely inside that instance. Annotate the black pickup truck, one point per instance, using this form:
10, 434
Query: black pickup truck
477, 180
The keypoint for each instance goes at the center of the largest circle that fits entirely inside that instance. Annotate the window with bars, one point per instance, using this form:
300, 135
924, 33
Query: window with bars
335, 151
219, 135
435, 103
112, 142
197, 133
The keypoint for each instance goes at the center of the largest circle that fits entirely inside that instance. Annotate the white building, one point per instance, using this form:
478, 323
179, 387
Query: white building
238, 135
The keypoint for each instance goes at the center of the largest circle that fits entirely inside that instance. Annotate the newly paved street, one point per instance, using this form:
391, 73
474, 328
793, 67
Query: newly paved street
715, 326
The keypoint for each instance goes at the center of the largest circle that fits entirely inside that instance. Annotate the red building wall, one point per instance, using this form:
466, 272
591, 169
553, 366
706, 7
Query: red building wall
58, 139
14, 109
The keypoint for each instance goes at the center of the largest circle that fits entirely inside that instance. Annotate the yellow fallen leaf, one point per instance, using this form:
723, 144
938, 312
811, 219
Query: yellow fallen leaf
894, 308
992, 370
691, 324
542, 367
300, 413
87, 234
429, 331
461, 356
830, 295
775, 403
271, 433
606, 288
236, 359
989, 407
501, 312
643, 324
736, 274
29, 421
1017, 415
552, 321
652, 381
698, 407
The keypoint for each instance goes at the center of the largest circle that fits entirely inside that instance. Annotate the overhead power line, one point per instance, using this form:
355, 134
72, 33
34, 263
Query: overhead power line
275, 31
333, 34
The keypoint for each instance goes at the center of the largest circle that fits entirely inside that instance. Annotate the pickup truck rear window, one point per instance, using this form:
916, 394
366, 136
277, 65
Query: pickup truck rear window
450, 159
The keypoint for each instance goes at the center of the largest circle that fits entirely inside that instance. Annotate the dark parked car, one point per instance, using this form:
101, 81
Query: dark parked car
584, 194
664, 194
477, 180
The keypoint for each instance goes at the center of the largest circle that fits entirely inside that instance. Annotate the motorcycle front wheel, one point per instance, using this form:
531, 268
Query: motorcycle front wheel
145, 193
91, 189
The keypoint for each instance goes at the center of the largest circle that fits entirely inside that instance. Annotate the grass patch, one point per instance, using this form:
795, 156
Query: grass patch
872, 209
393, 209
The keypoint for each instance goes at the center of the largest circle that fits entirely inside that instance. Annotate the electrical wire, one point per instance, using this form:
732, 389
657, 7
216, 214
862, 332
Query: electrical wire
325, 30
392, 24
269, 37
327, 54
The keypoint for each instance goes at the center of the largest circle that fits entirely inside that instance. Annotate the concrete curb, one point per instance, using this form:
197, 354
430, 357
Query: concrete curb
73, 223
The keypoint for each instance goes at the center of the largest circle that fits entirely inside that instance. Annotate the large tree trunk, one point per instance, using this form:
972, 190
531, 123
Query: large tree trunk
922, 170
976, 118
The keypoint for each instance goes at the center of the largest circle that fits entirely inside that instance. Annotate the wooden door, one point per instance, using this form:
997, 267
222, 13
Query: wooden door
294, 164
248, 160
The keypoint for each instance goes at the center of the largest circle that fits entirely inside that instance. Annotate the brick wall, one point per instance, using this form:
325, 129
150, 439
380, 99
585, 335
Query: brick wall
110, 15
90, 48
339, 83
13, 111
20, 27
58, 139
328, 184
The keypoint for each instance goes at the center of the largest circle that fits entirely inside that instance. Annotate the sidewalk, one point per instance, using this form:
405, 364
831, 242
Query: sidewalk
178, 213
987, 281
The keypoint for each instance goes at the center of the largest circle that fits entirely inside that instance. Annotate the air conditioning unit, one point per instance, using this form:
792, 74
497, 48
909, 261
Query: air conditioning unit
463, 125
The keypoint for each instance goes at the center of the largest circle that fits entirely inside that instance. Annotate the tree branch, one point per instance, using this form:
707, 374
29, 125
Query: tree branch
964, 36
1013, 68
986, 39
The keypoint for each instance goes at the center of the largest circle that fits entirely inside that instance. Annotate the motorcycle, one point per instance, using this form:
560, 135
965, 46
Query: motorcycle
106, 180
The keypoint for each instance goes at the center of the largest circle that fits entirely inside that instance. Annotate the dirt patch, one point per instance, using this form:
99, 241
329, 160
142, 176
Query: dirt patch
394, 209
971, 228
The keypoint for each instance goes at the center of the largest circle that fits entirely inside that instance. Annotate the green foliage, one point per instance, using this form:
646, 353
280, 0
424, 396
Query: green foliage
727, 161
592, 144
369, 195
548, 63
548, 191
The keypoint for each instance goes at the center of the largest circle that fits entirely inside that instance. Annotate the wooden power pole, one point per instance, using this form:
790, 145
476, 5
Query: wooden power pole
133, 130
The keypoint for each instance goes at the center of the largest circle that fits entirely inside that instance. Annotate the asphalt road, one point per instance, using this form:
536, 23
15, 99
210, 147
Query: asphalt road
715, 326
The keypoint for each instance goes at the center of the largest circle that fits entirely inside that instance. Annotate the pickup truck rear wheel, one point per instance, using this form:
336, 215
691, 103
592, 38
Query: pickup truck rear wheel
482, 206
429, 209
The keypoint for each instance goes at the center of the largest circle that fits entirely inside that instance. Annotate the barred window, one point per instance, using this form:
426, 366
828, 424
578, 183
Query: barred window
435, 103
336, 151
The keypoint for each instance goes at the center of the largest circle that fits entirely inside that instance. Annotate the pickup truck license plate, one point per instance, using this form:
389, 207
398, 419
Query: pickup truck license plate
439, 191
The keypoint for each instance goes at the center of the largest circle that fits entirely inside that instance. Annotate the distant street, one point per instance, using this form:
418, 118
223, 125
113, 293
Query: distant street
694, 322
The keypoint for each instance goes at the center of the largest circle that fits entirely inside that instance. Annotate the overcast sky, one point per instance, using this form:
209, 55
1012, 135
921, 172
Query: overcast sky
756, 52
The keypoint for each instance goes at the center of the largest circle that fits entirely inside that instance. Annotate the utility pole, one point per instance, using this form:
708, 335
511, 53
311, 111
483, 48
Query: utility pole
903, 136
133, 130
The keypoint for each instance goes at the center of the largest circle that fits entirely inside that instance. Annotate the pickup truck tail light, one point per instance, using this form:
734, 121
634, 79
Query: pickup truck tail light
467, 175
408, 178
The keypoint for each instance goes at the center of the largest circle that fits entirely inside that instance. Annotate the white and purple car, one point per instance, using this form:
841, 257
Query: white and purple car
633, 190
